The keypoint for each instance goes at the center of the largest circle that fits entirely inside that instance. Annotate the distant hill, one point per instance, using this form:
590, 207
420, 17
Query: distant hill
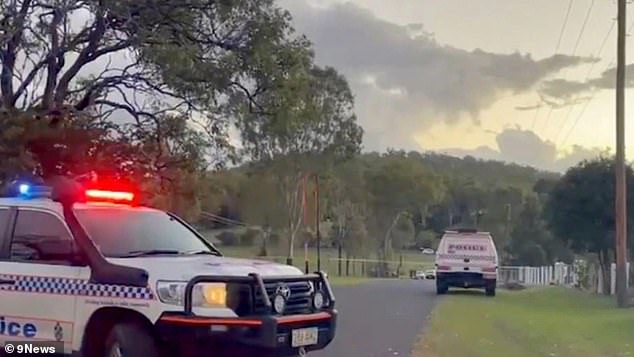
487, 172
483, 172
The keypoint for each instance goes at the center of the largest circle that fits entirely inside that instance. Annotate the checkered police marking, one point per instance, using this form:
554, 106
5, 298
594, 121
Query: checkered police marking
73, 287
467, 256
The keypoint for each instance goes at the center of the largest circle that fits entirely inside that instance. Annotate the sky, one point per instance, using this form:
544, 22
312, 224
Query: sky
488, 78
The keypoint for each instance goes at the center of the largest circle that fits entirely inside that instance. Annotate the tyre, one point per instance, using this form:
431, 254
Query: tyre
441, 287
490, 290
130, 340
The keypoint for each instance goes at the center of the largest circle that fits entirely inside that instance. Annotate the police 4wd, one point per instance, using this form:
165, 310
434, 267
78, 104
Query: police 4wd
466, 259
90, 269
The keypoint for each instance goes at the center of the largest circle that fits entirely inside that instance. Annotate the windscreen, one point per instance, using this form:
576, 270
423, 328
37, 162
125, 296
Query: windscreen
119, 232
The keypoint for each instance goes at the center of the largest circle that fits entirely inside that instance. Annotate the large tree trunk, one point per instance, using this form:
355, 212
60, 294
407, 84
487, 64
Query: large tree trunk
295, 209
604, 270
387, 244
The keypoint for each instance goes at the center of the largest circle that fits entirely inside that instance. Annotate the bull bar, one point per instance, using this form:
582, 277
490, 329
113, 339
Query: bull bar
258, 282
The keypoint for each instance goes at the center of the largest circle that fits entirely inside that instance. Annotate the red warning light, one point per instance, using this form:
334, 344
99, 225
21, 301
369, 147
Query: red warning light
106, 195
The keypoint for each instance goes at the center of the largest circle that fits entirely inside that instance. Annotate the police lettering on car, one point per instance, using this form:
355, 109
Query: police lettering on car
13, 328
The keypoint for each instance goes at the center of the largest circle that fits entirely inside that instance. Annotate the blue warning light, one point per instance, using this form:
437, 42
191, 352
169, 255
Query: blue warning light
24, 189
29, 191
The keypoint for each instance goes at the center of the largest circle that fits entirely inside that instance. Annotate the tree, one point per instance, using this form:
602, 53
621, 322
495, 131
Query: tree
531, 243
398, 187
345, 201
307, 125
113, 69
580, 209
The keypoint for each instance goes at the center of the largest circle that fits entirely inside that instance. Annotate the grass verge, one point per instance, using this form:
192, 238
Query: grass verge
553, 322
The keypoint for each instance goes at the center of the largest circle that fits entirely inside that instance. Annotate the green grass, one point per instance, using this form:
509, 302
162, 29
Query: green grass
553, 322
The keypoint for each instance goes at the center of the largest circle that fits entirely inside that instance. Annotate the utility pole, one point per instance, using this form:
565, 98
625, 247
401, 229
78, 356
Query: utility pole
317, 222
507, 222
621, 193
305, 211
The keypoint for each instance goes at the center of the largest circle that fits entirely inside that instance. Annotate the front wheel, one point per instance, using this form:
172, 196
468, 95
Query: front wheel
130, 340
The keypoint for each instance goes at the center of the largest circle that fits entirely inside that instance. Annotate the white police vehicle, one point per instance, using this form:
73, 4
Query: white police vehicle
466, 258
88, 268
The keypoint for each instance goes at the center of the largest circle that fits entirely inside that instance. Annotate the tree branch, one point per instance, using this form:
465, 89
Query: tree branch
53, 65
8, 56
85, 56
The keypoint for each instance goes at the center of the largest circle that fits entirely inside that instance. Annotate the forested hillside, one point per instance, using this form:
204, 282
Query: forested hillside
374, 203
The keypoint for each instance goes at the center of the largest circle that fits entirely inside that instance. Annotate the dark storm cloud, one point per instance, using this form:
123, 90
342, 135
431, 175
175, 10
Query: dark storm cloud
564, 89
526, 148
404, 80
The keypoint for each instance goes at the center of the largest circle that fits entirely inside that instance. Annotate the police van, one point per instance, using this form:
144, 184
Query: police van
466, 258
82, 264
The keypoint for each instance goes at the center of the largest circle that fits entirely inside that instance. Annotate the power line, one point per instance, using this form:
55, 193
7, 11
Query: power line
598, 55
535, 117
561, 35
563, 26
224, 220
583, 110
583, 27
574, 50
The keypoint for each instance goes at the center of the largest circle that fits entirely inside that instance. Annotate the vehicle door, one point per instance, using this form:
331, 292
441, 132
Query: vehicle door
38, 280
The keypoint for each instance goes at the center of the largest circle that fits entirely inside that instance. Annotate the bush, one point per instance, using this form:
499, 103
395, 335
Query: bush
249, 237
229, 239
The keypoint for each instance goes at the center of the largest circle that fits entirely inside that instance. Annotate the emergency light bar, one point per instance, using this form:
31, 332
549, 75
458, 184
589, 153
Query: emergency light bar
34, 191
99, 195
74, 192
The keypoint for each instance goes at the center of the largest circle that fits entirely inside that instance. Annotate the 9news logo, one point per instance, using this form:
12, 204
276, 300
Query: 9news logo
30, 348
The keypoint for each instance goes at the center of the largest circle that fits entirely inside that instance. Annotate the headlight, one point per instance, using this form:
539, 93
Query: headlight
279, 304
203, 294
318, 300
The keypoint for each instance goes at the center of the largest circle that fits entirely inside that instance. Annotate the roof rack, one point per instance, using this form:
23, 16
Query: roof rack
466, 230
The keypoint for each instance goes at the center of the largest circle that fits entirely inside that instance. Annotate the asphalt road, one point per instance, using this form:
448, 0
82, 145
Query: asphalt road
380, 319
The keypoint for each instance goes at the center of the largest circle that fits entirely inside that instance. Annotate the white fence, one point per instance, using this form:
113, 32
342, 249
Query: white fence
558, 274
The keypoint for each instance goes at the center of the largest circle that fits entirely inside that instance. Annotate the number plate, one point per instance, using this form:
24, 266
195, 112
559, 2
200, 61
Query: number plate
305, 337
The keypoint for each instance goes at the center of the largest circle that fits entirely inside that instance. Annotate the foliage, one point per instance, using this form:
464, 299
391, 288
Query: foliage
531, 243
308, 125
580, 209
249, 237
149, 90
229, 239
373, 203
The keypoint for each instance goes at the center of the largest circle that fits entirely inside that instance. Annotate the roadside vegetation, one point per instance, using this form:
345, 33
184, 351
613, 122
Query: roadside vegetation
530, 323
351, 269
247, 135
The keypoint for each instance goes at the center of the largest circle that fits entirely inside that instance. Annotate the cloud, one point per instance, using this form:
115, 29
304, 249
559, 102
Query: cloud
562, 89
404, 80
528, 107
526, 148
